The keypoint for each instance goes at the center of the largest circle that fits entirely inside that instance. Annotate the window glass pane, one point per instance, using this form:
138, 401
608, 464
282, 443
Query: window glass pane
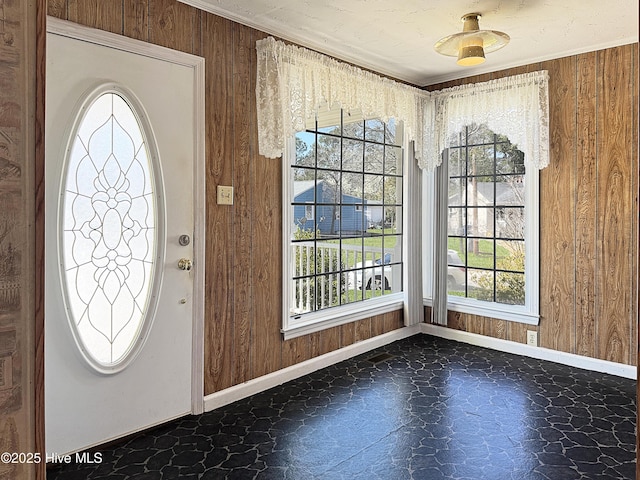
374, 156
305, 149
329, 154
331, 129
457, 221
109, 232
457, 192
509, 159
373, 188
303, 174
352, 188
352, 220
377, 279
393, 161
393, 278
392, 220
480, 253
374, 131
510, 288
456, 280
352, 291
303, 223
510, 222
510, 255
352, 155
457, 165
481, 162
480, 285
353, 129
392, 191
303, 190
390, 133
327, 186
481, 191
480, 222
510, 190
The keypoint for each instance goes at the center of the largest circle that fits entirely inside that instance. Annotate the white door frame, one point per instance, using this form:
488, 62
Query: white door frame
111, 40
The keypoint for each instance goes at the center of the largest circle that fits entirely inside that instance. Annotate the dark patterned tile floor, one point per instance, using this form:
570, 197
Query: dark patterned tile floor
436, 409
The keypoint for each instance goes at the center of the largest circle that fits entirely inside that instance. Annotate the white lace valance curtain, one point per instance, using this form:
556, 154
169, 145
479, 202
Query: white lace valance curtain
516, 106
293, 82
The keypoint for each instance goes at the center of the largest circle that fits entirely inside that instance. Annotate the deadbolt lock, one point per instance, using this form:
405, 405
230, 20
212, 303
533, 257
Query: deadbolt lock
185, 264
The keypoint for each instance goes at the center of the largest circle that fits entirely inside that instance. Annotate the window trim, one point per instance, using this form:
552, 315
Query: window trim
529, 313
297, 325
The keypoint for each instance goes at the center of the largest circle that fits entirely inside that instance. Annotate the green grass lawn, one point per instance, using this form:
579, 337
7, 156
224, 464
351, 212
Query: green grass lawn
484, 257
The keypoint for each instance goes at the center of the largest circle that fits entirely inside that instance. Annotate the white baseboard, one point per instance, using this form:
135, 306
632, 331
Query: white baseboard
260, 384
579, 361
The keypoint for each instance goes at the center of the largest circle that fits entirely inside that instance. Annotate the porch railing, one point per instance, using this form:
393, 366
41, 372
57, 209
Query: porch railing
321, 273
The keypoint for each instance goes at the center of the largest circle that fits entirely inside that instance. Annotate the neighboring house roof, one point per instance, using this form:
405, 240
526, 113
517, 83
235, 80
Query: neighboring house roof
505, 194
302, 186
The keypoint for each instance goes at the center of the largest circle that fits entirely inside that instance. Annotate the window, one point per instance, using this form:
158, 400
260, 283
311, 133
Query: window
492, 227
347, 253
109, 230
308, 213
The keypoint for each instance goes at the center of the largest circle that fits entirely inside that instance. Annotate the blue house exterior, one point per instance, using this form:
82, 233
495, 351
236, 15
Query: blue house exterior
331, 215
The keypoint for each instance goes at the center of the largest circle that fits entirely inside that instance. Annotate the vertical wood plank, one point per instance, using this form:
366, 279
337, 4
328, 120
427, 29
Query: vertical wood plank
517, 332
586, 196
325, 341
219, 354
57, 8
267, 252
362, 330
296, 350
347, 334
102, 14
377, 325
393, 320
615, 137
173, 25
557, 239
426, 314
243, 202
474, 324
498, 328
136, 19
457, 321
634, 191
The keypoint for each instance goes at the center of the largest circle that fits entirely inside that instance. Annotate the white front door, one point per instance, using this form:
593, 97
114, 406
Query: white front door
121, 141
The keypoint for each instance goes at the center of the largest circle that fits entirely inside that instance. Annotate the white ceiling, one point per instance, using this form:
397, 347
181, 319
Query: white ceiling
396, 37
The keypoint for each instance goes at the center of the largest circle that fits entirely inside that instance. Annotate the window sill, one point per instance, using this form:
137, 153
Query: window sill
492, 310
307, 323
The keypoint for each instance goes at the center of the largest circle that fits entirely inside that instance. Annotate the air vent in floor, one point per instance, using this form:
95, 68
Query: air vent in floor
381, 357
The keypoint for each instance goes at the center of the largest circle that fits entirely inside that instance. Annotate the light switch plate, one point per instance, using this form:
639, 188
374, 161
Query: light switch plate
225, 195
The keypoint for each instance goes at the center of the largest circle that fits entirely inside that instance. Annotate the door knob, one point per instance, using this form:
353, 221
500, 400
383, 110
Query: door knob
185, 264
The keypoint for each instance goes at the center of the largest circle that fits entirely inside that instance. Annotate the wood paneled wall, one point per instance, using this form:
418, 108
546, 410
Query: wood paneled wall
18, 402
243, 245
588, 210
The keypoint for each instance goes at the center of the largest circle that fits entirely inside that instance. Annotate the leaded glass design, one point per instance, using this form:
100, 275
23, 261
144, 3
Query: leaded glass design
109, 231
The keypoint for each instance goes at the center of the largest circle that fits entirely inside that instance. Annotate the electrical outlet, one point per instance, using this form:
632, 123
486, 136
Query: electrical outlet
532, 338
225, 195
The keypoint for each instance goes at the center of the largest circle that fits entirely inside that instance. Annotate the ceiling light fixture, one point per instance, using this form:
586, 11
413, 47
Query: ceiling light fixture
471, 44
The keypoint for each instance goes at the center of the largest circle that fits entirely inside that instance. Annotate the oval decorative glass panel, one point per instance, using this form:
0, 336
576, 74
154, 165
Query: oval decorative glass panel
109, 232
